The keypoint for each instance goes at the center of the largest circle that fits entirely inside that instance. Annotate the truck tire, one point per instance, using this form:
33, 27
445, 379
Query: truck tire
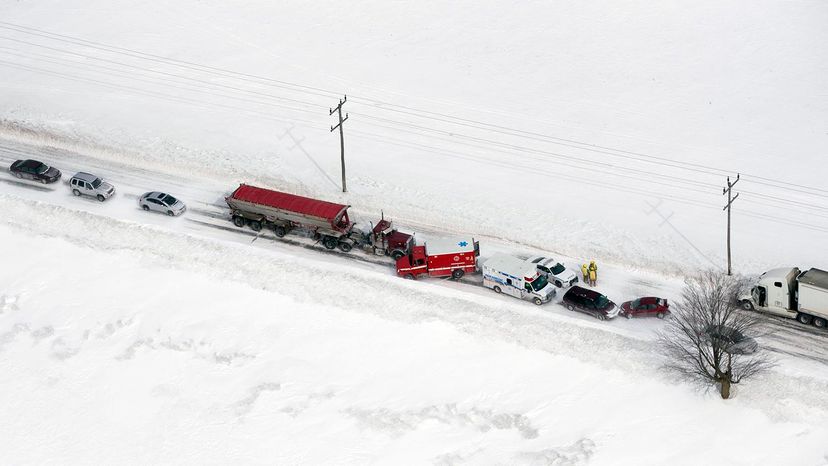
238, 221
329, 242
497, 289
256, 225
747, 305
345, 247
409, 276
803, 318
457, 274
820, 322
537, 301
396, 254
279, 231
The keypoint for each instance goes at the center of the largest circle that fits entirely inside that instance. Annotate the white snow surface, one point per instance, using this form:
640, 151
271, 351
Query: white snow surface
538, 128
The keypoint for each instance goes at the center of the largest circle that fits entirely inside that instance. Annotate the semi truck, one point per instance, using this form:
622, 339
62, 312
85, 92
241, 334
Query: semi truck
453, 257
517, 277
327, 222
791, 293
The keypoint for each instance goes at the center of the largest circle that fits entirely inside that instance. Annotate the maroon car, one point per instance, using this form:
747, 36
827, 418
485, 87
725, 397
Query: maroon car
646, 307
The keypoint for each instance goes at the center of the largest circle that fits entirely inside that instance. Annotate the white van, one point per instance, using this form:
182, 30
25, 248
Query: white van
518, 278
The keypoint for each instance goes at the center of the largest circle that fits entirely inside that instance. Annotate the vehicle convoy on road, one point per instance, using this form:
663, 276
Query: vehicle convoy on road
34, 170
555, 271
326, 221
789, 292
453, 257
85, 184
589, 302
517, 277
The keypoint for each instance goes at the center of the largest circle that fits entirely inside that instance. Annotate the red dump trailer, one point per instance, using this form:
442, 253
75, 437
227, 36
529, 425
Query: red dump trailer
326, 221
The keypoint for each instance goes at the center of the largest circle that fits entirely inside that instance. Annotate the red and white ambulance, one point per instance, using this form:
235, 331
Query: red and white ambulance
440, 258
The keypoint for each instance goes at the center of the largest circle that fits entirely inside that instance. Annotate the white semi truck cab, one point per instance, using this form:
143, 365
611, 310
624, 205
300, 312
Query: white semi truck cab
791, 293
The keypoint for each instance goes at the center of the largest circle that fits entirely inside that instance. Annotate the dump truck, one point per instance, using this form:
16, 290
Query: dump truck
453, 257
326, 222
791, 293
517, 277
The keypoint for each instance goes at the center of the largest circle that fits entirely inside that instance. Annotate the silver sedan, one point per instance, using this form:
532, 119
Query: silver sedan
161, 202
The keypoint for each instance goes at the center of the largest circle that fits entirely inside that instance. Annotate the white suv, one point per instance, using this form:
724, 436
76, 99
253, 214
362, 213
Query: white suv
554, 271
91, 185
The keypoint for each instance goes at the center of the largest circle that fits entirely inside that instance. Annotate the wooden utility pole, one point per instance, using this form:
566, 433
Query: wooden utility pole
338, 109
727, 207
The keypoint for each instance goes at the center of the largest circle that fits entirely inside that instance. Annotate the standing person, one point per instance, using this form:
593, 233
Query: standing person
585, 272
593, 273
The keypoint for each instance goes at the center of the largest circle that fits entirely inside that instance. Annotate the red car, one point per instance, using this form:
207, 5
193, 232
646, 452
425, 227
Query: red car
645, 307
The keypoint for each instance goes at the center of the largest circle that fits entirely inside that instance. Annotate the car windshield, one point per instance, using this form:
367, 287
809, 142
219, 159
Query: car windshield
635, 304
558, 268
539, 282
42, 169
97, 183
169, 200
601, 302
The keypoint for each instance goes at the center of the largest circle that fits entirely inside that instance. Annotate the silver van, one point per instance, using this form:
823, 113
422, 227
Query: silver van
91, 185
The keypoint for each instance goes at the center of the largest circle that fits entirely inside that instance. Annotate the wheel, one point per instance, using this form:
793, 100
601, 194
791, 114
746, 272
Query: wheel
803, 318
537, 301
170, 213
43, 180
628, 315
100, 197
660, 315
570, 307
397, 254
256, 225
558, 283
76, 192
145, 207
345, 247
497, 289
280, 231
600, 316
457, 274
18, 175
820, 322
409, 276
329, 242
238, 221
747, 305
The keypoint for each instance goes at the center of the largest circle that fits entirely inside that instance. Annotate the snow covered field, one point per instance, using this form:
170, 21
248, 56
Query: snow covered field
585, 131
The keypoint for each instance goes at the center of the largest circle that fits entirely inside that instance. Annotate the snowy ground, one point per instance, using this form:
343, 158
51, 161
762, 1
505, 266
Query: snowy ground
583, 131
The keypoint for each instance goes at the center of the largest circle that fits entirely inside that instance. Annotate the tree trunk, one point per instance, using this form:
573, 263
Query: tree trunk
725, 388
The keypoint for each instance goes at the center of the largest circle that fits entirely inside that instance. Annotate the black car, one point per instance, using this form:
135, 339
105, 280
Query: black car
589, 302
34, 170
729, 339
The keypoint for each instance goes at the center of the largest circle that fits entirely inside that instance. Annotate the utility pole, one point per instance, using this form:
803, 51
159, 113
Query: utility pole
727, 207
338, 109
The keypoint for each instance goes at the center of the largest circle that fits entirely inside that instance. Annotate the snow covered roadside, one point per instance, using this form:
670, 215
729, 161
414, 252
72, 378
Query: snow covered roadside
151, 346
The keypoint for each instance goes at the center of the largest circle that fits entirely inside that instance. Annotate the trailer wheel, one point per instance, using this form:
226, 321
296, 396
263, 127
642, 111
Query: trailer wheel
803, 318
537, 301
329, 242
820, 322
256, 225
747, 305
280, 231
497, 289
238, 221
396, 254
345, 247
457, 274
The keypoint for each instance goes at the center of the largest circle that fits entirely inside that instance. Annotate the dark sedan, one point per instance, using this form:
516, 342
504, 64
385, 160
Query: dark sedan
34, 170
646, 307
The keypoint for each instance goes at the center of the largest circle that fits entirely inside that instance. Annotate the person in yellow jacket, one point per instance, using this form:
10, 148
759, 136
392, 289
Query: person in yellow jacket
593, 273
585, 273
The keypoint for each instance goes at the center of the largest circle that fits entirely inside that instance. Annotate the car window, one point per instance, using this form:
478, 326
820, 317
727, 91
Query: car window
42, 169
169, 200
97, 182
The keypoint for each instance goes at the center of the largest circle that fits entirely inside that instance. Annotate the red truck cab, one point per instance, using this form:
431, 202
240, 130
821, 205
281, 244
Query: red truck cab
453, 257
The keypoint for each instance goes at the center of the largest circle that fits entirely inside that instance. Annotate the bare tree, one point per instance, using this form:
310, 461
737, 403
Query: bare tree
708, 337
